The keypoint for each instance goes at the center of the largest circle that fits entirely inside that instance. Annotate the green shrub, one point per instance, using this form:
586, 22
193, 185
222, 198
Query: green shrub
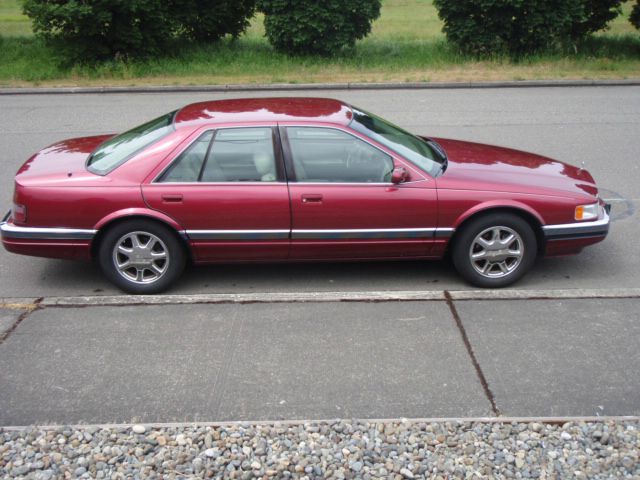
203, 20
519, 27
635, 15
105, 29
312, 27
596, 15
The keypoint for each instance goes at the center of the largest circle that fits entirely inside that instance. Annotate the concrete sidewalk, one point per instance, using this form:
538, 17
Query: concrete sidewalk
270, 361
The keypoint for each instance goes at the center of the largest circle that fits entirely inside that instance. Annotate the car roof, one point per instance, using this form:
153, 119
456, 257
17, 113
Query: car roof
264, 110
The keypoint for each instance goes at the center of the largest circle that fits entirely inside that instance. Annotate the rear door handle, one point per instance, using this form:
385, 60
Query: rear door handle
172, 198
312, 198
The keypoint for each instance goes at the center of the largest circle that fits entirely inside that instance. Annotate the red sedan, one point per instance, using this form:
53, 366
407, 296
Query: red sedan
295, 179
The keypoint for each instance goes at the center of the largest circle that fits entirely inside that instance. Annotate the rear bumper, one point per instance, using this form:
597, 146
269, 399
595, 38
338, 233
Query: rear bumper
46, 242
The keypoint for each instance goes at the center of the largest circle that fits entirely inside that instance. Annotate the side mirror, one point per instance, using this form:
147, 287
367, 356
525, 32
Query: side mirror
399, 175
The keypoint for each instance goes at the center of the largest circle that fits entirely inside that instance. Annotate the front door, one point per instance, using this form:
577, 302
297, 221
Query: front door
343, 203
227, 190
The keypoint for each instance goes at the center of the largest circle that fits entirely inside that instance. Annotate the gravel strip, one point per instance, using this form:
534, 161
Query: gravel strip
339, 449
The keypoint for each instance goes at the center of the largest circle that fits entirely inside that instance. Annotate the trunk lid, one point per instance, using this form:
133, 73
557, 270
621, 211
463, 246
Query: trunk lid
60, 161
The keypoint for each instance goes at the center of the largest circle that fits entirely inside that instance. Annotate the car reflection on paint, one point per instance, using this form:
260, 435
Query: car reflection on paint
295, 179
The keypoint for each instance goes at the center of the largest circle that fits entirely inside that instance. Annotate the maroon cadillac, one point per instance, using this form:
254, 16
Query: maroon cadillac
290, 180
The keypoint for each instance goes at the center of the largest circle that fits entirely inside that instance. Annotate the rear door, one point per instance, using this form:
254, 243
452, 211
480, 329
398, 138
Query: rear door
227, 188
343, 204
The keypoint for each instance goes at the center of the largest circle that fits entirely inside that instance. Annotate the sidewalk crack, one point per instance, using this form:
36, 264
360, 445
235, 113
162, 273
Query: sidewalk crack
474, 360
29, 309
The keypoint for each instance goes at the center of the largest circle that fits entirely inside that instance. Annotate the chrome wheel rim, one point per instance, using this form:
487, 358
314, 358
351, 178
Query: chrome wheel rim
141, 257
496, 252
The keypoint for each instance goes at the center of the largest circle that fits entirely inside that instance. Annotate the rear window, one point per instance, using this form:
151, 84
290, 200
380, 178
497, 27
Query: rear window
117, 150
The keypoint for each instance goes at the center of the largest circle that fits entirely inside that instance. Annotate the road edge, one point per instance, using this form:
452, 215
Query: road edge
274, 87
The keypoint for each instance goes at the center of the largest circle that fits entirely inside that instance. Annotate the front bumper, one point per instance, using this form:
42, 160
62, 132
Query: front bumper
579, 230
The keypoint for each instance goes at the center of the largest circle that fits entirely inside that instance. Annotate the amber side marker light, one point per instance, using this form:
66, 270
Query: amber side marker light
587, 212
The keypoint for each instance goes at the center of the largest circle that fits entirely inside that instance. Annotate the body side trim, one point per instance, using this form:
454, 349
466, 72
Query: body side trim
300, 234
36, 233
238, 234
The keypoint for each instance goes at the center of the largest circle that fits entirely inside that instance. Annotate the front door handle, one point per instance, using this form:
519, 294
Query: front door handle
172, 198
312, 198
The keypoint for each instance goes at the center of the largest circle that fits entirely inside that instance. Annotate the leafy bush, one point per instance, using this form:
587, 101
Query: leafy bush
519, 27
596, 15
102, 29
312, 27
635, 15
210, 20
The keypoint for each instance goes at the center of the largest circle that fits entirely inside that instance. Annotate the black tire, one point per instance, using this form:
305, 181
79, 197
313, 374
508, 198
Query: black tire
489, 239
155, 267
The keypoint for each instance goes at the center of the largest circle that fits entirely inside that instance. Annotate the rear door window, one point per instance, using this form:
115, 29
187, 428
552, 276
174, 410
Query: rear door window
227, 155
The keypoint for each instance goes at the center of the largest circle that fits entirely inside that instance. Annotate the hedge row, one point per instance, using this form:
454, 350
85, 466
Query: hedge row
520, 27
102, 29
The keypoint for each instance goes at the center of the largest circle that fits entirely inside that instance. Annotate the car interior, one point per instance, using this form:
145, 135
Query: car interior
329, 155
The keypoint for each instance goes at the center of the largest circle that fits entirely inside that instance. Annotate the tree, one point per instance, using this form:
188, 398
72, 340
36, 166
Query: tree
312, 27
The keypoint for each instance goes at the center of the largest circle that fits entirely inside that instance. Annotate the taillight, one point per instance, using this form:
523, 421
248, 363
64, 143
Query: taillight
19, 213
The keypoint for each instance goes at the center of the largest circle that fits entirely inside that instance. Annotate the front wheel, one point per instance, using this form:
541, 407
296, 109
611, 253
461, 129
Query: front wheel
141, 257
494, 250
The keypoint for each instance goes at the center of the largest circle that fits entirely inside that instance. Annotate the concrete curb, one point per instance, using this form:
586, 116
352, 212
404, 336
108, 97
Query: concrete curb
305, 297
284, 423
275, 87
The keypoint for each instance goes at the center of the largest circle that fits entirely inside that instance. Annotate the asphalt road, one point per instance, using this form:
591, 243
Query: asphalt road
599, 125
462, 358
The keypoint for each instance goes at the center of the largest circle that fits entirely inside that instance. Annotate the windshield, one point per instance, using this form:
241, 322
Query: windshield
412, 148
117, 150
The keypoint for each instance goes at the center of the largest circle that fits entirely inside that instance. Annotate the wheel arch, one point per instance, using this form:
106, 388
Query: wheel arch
139, 214
523, 211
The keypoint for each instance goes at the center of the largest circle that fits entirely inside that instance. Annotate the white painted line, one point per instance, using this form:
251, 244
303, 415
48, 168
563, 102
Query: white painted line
244, 423
372, 296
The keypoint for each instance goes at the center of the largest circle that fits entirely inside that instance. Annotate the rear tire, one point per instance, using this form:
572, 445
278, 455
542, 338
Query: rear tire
141, 256
494, 250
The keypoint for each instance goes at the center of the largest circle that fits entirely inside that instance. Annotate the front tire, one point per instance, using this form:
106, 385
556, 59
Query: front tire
494, 250
141, 256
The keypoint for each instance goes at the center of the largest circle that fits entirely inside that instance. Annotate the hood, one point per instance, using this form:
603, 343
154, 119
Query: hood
475, 166
64, 160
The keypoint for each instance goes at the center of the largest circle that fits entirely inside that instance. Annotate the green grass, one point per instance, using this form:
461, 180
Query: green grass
406, 44
12, 22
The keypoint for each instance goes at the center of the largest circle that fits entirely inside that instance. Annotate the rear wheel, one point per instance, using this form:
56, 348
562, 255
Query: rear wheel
141, 257
494, 250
